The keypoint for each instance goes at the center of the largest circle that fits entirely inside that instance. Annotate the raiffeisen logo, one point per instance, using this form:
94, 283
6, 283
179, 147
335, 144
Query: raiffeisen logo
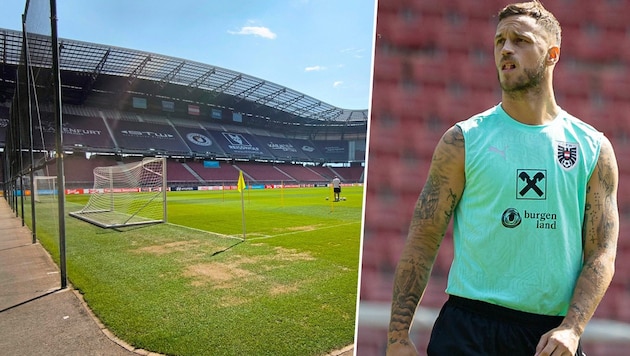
511, 218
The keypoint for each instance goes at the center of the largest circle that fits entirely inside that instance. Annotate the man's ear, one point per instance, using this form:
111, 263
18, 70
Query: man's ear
553, 55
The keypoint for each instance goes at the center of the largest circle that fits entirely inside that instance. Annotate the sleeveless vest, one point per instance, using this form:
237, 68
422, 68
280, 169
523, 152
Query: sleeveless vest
518, 225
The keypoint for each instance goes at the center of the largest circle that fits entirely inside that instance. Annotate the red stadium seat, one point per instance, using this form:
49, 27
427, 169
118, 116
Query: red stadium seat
571, 12
388, 67
572, 82
615, 84
484, 10
610, 13
409, 29
433, 70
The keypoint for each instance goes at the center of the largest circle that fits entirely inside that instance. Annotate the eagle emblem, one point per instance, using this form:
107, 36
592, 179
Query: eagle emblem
567, 154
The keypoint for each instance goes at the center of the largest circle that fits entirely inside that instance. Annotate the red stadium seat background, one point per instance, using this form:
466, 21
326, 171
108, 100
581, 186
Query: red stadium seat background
434, 66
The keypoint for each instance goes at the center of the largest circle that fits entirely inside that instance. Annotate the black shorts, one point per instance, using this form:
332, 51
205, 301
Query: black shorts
337, 190
469, 327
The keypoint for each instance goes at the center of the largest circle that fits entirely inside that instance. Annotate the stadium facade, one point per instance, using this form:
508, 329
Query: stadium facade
121, 102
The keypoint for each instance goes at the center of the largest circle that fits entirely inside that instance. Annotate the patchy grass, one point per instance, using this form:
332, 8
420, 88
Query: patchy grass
192, 287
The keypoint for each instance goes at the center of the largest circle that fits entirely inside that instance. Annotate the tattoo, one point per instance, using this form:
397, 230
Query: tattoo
601, 226
453, 199
428, 201
455, 138
432, 213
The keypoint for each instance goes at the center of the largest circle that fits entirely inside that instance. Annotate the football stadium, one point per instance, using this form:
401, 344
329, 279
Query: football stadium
433, 67
190, 205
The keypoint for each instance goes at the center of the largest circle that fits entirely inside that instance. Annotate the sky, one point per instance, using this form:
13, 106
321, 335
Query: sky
321, 48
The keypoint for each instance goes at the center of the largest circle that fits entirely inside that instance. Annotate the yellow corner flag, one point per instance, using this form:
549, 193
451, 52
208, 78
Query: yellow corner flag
241, 182
241, 186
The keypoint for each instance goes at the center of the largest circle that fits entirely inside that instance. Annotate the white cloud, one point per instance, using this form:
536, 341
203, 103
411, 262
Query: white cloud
260, 31
354, 52
337, 84
314, 68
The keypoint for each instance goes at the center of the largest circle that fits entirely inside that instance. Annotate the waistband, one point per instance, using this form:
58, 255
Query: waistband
498, 312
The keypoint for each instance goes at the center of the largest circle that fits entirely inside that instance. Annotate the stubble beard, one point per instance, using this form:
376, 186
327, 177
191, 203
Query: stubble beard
527, 83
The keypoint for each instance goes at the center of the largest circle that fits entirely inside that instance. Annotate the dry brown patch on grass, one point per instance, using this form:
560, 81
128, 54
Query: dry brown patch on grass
285, 254
177, 246
298, 228
227, 274
219, 275
282, 289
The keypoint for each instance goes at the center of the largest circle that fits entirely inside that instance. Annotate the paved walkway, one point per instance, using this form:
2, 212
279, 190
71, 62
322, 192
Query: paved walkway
36, 317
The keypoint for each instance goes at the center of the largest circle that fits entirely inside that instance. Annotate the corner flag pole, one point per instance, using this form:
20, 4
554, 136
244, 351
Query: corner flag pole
241, 186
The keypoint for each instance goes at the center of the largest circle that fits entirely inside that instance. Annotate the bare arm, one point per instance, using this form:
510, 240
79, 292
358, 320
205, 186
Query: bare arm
600, 232
431, 217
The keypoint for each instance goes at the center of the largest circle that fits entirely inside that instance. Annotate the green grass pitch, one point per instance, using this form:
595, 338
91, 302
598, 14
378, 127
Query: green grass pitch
191, 287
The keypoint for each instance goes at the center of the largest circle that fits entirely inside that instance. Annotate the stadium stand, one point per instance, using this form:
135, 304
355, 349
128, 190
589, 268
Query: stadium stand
263, 173
434, 66
178, 173
219, 175
121, 105
302, 173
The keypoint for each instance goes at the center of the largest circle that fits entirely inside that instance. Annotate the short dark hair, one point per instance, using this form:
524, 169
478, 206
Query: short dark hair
536, 10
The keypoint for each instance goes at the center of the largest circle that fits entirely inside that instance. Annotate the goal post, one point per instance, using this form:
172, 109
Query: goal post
44, 188
127, 195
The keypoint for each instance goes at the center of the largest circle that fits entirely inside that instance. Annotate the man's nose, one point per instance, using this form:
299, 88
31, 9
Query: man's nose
508, 48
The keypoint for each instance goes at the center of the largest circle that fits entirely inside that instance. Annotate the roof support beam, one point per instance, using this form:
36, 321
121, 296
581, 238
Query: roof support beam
134, 75
221, 89
306, 108
288, 103
197, 82
245, 93
326, 115
89, 85
167, 78
264, 100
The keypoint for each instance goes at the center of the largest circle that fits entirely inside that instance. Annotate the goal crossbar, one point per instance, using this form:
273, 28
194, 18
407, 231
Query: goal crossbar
127, 195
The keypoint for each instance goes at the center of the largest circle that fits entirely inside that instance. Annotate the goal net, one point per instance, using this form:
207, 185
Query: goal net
44, 189
127, 195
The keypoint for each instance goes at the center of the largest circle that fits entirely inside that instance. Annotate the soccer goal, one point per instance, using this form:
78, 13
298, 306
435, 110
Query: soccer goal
44, 188
127, 195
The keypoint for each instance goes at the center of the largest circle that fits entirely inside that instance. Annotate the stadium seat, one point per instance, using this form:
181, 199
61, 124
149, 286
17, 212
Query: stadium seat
615, 84
465, 34
432, 70
406, 28
572, 82
610, 13
590, 44
483, 10
176, 172
388, 67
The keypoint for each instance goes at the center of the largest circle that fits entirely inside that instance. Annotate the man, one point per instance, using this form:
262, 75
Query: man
532, 191
336, 182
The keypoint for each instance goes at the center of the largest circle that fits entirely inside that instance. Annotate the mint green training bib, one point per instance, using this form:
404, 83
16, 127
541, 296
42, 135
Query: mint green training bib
518, 225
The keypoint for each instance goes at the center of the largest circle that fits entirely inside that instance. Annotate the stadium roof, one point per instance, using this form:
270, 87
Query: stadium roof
87, 68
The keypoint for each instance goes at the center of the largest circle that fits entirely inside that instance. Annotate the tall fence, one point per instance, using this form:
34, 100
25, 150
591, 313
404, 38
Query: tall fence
37, 94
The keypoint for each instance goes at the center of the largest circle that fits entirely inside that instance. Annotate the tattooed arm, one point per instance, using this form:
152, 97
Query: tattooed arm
600, 232
432, 213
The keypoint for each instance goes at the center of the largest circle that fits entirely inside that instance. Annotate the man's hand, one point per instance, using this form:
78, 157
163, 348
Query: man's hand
402, 347
560, 341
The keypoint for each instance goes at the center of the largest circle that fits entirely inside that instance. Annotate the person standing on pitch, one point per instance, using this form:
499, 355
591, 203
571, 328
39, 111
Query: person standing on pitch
336, 182
533, 194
